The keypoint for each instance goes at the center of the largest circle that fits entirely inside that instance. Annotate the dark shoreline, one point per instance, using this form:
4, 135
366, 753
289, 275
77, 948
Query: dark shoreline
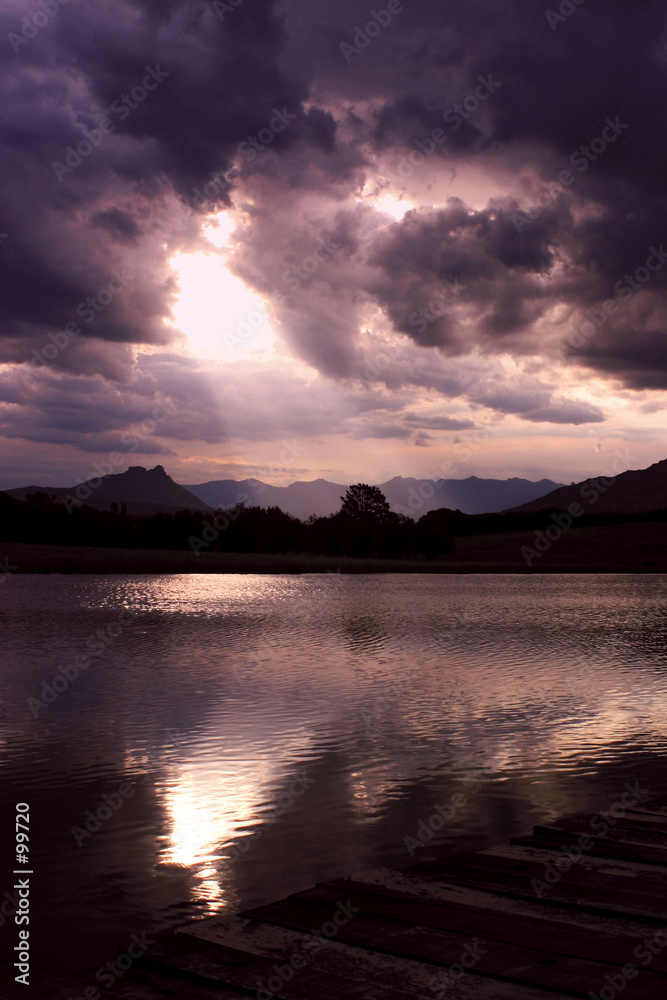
627, 548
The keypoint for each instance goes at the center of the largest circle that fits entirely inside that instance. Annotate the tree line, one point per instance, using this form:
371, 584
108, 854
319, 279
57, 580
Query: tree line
365, 526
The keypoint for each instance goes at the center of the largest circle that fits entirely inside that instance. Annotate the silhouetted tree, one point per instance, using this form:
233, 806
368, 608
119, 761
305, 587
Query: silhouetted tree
366, 503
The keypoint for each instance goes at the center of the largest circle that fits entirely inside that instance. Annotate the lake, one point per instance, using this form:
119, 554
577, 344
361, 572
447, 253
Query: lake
190, 745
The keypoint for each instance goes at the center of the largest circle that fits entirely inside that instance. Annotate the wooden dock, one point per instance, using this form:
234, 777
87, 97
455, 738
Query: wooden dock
541, 917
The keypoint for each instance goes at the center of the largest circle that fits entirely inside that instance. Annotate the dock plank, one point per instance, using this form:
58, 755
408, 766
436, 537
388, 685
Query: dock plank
150, 986
414, 978
553, 935
582, 872
655, 816
526, 965
600, 900
136, 985
627, 833
484, 898
614, 868
630, 819
655, 805
220, 966
602, 847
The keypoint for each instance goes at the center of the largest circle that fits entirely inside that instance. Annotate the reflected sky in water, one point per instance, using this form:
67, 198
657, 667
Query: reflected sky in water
278, 730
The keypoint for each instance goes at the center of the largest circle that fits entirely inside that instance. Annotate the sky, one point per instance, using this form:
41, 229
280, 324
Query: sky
301, 239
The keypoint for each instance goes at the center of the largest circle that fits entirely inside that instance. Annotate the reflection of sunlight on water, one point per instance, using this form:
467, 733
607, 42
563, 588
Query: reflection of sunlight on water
209, 889
213, 800
208, 809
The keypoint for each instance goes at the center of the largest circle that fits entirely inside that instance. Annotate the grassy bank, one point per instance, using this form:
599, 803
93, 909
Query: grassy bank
627, 548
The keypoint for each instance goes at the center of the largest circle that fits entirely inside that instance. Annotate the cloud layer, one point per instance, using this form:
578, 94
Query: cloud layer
452, 213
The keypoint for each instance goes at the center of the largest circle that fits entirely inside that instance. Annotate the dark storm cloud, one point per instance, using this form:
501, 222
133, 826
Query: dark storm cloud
579, 106
557, 85
180, 91
267, 99
434, 263
640, 356
117, 223
563, 80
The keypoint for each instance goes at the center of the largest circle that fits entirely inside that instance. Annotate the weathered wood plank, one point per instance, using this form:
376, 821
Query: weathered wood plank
151, 986
577, 874
602, 846
134, 985
415, 978
553, 937
527, 965
628, 832
214, 965
559, 938
659, 818
485, 899
600, 901
657, 804
650, 874
581, 872
631, 818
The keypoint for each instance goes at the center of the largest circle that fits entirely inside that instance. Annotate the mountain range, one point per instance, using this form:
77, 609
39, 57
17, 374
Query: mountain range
413, 497
149, 491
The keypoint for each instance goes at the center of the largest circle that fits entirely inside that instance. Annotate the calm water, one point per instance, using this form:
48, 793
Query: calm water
384, 695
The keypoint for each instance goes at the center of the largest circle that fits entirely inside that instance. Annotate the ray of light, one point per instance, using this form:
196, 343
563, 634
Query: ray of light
221, 318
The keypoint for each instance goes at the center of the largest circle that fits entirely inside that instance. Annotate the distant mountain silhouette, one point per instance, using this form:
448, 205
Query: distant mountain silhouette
413, 497
144, 491
152, 491
635, 492
471, 495
299, 499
